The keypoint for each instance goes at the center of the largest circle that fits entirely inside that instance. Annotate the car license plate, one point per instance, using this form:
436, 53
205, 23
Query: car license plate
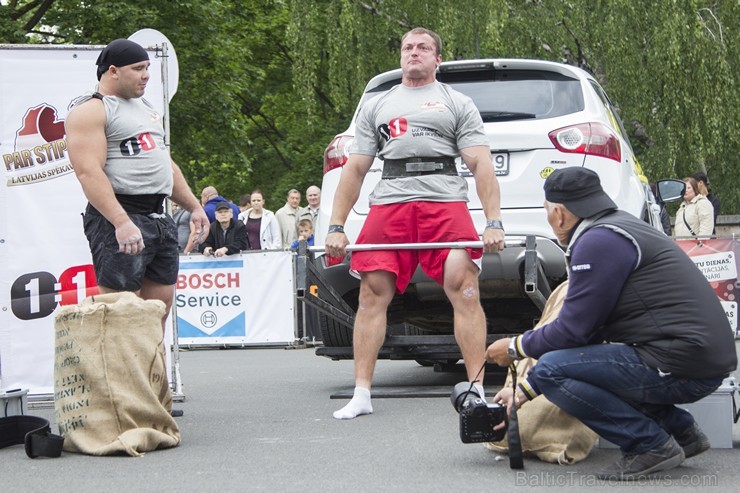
500, 165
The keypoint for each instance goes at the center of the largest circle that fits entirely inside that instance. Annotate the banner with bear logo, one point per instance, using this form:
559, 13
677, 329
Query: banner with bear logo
46, 258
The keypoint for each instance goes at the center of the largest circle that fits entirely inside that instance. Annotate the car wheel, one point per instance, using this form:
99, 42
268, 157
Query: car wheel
335, 334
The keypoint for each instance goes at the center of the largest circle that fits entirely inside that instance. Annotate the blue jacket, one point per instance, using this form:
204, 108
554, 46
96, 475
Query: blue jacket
294, 245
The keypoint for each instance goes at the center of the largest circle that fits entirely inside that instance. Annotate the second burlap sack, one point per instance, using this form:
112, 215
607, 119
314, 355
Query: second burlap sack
111, 394
546, 431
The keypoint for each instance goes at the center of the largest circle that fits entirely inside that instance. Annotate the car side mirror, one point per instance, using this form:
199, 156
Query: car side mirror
670, 190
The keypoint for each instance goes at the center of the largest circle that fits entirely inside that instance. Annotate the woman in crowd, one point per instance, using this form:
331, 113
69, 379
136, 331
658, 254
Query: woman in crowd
695, 217
263, 230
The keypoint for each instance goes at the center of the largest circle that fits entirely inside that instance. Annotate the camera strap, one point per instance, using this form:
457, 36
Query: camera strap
516, 460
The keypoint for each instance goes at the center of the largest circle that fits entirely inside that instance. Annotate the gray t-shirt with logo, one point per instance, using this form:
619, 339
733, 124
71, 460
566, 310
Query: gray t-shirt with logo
138, 162
433, 120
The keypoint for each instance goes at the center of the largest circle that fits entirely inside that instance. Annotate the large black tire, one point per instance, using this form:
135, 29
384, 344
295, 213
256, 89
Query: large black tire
334, 334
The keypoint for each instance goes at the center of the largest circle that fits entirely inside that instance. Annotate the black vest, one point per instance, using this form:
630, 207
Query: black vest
667, 310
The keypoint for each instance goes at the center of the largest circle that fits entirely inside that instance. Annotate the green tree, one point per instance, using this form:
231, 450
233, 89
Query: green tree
266, 84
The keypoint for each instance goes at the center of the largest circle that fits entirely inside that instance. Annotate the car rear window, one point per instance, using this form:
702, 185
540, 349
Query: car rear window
507, 95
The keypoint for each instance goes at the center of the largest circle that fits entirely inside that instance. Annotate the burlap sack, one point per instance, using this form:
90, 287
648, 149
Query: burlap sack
111, 394
547, 432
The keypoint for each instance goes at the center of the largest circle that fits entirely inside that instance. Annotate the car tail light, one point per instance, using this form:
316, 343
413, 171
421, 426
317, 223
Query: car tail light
335, 155
588, 138
330, 261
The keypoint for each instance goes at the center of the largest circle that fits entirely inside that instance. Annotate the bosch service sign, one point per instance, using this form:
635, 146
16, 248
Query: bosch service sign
238, 299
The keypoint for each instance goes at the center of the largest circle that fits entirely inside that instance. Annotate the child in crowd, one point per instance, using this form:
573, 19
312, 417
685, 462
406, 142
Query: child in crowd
305, 232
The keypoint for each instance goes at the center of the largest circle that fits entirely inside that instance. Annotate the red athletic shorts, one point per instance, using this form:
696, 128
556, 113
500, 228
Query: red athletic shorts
414, 222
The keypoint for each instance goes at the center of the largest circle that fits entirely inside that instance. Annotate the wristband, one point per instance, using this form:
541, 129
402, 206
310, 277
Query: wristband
495, 224
335, 228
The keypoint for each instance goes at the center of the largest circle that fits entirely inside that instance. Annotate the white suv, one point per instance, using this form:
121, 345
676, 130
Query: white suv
539, 116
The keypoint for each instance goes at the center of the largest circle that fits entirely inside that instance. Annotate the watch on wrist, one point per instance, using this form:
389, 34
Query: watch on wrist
513, 353
495, 224
335, 228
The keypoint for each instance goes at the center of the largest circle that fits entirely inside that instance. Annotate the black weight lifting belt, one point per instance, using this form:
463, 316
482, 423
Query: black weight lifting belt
34, 432
418, 166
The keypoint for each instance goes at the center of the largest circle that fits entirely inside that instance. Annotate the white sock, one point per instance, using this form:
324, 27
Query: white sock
359, 405
481, 392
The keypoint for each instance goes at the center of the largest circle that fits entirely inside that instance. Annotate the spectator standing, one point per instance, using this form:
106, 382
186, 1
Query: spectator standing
287, 218
210, 198
245, 203
703, 182
263, 231
313, 196
305, 232
695, 216
227, 236
185, 231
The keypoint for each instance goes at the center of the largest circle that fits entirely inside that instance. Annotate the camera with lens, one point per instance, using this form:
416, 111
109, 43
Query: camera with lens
477, 417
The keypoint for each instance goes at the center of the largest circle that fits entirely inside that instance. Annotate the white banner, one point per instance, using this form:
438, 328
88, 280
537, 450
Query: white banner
46, 258
236, 300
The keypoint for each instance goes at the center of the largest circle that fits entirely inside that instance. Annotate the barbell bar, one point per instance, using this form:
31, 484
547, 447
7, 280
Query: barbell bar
419, 246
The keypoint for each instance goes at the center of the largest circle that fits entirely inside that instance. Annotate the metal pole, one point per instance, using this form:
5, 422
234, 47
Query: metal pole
177, 389
418, 246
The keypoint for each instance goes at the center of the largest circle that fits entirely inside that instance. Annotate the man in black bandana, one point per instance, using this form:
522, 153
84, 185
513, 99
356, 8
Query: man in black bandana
116, 145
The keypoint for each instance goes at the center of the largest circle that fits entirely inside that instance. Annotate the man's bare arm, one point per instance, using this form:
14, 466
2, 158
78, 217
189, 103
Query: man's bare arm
183, 196
348, 190
478, 160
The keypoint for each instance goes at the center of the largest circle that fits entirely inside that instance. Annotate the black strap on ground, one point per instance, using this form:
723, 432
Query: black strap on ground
32, 431
515, 443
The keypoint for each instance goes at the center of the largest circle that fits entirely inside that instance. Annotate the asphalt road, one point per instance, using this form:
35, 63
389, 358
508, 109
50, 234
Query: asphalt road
260, 420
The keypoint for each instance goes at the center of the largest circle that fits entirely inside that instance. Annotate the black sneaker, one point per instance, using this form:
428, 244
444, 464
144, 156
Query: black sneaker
693, 441
634, 467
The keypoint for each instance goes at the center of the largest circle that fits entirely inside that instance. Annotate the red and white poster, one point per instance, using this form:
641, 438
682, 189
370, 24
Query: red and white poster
717, 259
46, 259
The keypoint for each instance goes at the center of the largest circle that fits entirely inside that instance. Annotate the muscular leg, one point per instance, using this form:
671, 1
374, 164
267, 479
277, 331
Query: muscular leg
376, 292
461, 287
151, 290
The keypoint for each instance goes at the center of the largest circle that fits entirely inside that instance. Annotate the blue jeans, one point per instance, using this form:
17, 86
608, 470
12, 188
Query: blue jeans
610, 389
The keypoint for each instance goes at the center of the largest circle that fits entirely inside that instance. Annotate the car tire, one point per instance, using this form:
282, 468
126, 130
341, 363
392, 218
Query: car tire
335, 334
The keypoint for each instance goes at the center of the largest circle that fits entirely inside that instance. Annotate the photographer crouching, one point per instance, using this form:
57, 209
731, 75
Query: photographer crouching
640, 330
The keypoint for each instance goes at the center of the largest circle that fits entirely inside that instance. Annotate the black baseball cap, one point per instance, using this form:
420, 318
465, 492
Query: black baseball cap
223, 205
120, 52
579, 190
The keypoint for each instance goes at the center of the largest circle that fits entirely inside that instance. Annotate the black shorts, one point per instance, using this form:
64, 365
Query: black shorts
158, 262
